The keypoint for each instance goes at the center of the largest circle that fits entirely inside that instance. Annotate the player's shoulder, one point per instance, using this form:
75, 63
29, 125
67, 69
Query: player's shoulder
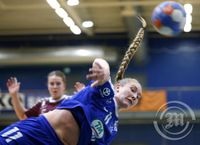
107, 89
45, 99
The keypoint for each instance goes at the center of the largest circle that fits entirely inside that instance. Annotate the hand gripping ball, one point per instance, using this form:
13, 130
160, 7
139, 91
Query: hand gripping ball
168, 18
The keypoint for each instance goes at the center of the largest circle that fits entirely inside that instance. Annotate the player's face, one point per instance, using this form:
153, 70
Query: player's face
128, 95
56, 86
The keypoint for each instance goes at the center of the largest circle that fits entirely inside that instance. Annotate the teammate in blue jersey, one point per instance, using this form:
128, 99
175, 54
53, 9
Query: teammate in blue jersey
88, 118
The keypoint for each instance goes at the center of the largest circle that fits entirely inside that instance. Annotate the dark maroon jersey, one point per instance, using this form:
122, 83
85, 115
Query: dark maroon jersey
43, 106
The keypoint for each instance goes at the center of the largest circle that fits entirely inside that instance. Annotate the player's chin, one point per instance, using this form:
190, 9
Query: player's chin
127, 104
134, 104
131, 104
56, 95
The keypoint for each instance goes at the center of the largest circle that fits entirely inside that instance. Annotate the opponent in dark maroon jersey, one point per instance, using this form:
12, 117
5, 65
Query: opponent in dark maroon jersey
56, 87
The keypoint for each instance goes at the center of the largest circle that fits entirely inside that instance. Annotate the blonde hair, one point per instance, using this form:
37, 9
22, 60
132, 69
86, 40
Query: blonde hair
131, 51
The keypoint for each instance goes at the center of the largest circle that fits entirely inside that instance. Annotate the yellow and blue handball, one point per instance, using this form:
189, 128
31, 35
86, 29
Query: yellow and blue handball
169, 18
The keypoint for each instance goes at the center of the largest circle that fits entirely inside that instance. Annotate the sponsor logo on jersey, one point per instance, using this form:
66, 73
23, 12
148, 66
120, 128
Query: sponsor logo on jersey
97, 129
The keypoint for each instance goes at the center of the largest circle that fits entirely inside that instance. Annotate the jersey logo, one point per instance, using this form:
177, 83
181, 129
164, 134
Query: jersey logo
106, 91
97, 129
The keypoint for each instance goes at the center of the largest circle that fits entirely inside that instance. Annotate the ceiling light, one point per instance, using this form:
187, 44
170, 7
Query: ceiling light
187, 28
75, 29
188, 8
64, 15
61, 12
87, 24
188, 18
68, 21
53, 3
73, 2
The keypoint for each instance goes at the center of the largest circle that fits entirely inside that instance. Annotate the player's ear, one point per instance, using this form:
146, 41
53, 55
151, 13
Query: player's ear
117, 85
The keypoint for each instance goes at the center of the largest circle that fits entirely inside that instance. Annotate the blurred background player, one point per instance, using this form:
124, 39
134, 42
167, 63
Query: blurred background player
56, 87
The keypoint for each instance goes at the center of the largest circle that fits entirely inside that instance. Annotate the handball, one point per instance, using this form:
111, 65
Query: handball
168, 18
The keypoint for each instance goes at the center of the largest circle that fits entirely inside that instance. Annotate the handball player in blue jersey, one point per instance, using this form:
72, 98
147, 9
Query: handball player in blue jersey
89, 118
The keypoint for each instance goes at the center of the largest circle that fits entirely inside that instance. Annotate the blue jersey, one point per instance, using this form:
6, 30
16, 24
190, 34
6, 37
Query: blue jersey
32, 131
95, 110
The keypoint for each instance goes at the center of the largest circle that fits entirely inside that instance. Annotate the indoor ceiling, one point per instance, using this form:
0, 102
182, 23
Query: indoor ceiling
22, 17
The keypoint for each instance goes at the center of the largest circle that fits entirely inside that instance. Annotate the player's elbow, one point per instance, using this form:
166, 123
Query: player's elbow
22, 117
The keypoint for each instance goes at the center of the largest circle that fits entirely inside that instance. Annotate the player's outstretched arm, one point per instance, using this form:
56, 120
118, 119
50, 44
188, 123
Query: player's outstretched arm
13, 88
